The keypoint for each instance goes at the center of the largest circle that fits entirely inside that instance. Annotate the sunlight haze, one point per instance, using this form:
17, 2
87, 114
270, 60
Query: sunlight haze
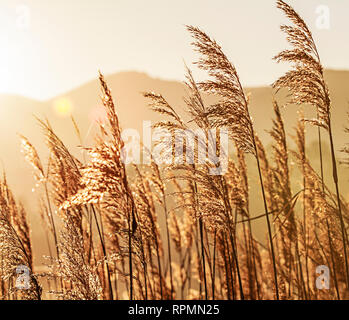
51, 47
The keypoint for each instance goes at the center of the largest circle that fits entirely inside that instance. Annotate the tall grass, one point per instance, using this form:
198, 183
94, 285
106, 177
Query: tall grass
175, 230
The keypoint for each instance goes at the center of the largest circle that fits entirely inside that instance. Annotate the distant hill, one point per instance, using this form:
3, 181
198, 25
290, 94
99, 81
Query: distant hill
16, 116
17, 113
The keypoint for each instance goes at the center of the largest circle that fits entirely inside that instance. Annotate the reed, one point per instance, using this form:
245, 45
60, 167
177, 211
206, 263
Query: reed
172, 229
308, 86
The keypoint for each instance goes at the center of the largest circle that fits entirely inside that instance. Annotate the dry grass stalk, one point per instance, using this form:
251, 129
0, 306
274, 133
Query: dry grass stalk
308, 86
179, 231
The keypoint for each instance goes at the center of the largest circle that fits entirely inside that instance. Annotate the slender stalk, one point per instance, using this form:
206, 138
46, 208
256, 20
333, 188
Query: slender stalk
321, 160
203, 254
145, 275
254, 258
168, 244
151, 268
242, 296
160, 269
214, 266
53, 229
235, 257
332, 259
300, 269
130, 252
104, 253
52, 220
335, 179
89, 214
188, 271
144, 263
268, 222
201, 238
248, 263
225, 252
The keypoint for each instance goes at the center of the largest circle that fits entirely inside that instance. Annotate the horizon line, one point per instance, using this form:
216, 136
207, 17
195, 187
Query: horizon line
154, 77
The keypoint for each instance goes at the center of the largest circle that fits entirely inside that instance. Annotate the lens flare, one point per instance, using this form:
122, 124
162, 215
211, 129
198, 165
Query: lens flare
63, 107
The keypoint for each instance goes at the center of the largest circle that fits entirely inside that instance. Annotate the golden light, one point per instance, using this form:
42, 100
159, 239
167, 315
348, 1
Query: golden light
63, 107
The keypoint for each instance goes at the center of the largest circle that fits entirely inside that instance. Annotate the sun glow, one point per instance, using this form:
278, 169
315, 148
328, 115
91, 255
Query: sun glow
63, 107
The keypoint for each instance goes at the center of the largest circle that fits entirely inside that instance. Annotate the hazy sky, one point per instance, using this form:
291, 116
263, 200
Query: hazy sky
50, 46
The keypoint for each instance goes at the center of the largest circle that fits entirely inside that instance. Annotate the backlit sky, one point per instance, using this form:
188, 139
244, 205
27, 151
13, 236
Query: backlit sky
48, 47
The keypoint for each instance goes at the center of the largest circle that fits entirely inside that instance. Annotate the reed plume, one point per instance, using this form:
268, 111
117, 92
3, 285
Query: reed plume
307, 84
232, 110
15, 247
179, 226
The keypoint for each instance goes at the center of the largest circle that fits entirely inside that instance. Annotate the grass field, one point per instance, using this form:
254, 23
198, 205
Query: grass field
185, 229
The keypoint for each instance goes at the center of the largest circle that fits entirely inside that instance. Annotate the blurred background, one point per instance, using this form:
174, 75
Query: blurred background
51, 51
50, 47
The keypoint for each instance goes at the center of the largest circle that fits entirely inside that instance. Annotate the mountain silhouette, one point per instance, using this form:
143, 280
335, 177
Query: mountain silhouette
18, 113
18, 116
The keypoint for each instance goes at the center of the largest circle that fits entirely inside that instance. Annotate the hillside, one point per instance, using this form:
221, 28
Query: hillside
17, 116
17, 113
